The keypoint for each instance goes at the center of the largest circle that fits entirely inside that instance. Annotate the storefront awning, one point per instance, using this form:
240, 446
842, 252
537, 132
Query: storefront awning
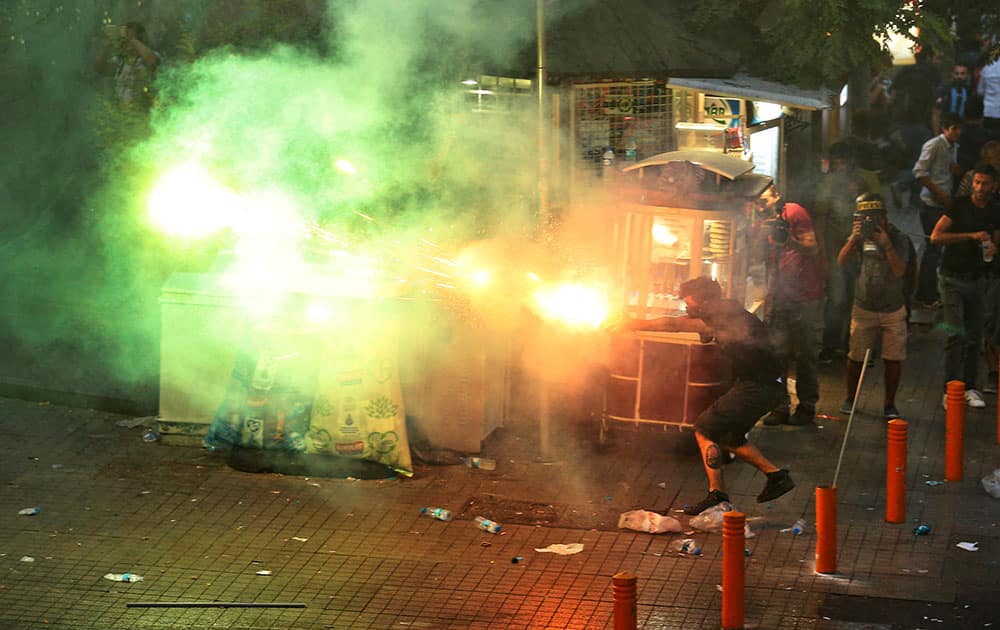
755, 89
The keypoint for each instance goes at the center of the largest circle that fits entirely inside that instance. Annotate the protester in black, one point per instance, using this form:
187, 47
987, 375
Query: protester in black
969, 231
722, 429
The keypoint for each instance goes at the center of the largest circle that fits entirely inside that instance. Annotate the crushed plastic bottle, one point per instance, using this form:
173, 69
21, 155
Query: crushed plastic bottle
29, 511
922, 530
797, 527
488, 525
150, 436
440, 514
123, 577
685, 546
485, 463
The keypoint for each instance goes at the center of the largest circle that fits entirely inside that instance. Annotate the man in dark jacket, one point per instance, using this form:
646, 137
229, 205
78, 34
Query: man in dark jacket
722, 429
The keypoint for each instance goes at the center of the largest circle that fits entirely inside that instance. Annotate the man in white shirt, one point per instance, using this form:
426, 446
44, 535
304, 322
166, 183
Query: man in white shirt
989, 87
936, 169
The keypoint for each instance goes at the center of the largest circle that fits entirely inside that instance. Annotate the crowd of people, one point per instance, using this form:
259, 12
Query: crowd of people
842, 280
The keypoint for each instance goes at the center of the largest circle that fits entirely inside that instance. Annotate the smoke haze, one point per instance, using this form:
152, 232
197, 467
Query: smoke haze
268, 112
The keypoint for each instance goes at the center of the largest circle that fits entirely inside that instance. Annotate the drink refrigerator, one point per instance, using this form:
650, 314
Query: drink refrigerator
679, 215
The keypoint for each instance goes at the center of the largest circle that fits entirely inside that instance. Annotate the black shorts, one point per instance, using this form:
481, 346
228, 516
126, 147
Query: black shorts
731, 417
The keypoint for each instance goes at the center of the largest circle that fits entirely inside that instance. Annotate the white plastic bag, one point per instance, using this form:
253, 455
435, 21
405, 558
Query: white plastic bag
711, 519
647, 521
991, 484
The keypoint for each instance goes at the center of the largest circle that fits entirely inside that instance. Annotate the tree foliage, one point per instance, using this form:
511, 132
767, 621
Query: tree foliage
817, 43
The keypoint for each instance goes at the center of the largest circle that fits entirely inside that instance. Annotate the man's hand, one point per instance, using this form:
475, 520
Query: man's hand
855, 236
980, 236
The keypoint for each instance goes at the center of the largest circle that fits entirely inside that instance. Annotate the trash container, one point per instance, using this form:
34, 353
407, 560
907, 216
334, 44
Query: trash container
201, 333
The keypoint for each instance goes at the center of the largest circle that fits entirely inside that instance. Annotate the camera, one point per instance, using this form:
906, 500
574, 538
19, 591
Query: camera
868, 227
777, 229
114, 31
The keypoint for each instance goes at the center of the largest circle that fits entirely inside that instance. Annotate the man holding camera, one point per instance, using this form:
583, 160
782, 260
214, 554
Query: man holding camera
969, 232
877, 253
794, 306
125, 54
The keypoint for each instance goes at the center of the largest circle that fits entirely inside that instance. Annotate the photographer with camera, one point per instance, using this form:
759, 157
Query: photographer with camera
969, 231
794, 305
125, 54
877, 253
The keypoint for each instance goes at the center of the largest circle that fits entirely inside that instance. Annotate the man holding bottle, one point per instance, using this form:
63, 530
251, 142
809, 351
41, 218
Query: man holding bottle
969, 231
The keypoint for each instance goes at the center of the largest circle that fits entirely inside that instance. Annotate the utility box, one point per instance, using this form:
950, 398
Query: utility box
201, 332
455, 380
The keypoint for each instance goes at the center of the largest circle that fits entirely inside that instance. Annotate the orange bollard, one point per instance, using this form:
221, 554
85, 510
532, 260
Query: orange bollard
623, 593
826, 529
954, 431
733, 568
895, 472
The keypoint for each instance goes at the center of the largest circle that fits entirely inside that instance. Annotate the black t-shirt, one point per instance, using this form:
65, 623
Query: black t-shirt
744, 340
966, 257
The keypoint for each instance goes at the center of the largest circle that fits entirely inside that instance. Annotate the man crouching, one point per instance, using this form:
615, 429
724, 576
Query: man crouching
723, 428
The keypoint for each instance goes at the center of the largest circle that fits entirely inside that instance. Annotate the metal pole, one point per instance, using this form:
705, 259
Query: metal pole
544, 446
214, 605
857, 390
543, 148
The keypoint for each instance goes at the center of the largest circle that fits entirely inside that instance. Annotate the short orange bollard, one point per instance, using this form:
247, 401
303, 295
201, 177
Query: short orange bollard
826, 529
895, 472
733, 569
954, 431
623, 593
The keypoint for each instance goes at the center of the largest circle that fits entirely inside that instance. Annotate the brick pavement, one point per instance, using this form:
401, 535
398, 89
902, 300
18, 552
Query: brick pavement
199, 530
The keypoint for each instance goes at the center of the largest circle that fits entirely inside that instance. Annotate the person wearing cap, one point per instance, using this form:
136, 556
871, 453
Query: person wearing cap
758, 386
876, 252
969, 231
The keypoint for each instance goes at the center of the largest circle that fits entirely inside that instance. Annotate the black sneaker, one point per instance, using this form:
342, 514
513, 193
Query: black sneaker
714, 498
890, 412
776, 418
778, 483
802, 417
826, 356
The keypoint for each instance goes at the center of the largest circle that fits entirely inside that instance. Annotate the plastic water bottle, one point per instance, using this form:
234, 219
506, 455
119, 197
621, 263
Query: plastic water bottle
484, 463
986, 245
488, 525
123, 577
799, 526
608, 157
922, 530
440, 514
29, 511
630, 150
686, 546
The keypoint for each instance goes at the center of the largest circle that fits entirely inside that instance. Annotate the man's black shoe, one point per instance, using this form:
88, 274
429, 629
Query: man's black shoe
778, 483
802, 417
776, 418
714, 498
